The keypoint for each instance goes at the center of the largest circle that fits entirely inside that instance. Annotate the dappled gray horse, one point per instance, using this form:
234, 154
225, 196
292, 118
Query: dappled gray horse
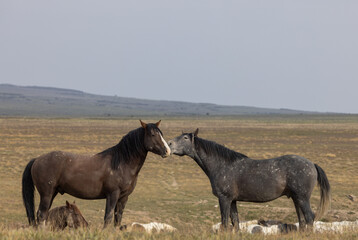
235, 177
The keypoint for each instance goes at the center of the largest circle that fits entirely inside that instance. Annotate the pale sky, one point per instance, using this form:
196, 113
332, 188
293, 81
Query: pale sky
280, 54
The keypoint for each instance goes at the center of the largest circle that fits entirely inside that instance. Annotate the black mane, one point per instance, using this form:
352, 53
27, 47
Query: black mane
214, 148
130, 146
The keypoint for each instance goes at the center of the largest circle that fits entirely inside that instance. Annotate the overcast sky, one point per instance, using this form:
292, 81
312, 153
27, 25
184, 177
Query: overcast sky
278, 54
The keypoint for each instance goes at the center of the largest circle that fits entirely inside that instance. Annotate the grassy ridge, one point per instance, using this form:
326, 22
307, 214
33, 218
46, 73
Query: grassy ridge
175, 190
45, 101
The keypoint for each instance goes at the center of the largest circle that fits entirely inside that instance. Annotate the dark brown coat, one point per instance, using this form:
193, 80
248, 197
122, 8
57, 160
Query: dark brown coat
111, 174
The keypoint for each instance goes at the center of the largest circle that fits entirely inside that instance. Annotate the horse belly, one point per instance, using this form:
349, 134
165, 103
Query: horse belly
261, 190
88, 193
86, 178
82, 186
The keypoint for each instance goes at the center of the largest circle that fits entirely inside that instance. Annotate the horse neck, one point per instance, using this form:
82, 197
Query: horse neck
207, 164
136, 164
130, 151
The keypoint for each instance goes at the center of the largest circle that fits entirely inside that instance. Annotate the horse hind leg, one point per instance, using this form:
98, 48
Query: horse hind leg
52, 198
300, 216
303, 206
42, 212
44, 207
308, 213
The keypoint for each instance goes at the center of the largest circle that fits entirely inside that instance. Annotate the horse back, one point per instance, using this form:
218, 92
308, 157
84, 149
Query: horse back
266, 180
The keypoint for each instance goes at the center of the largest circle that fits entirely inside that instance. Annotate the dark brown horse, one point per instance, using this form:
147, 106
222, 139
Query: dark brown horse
235, 177
69, 215
111, 174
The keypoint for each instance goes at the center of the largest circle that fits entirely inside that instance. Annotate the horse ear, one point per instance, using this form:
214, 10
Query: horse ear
68, 205
157, 124
144, 125
74, 203
196, 132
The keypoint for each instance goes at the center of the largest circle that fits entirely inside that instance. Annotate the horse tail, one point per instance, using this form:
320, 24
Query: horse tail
325, 190
28, 193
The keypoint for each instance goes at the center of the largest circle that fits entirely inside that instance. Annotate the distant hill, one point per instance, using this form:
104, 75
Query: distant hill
46, 101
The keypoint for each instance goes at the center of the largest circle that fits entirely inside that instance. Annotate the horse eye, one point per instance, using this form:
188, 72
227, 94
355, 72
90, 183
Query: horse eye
185, 137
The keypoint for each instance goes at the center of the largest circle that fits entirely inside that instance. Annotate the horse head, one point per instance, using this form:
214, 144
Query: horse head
75, 218
184, 144
153, 139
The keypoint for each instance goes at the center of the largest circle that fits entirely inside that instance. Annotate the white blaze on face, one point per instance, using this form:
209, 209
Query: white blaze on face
165, 144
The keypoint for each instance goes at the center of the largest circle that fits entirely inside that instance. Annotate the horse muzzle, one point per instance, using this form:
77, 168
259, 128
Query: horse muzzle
167, 153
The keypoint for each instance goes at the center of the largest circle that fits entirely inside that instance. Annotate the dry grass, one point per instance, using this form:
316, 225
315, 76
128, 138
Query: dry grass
175, 190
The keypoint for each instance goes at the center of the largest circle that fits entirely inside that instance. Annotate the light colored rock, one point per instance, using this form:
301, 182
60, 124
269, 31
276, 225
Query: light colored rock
152, 227
318, 226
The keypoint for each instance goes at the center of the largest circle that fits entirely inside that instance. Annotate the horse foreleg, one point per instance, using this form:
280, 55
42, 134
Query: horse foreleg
225, 211
118, 211
234, 216
111, 202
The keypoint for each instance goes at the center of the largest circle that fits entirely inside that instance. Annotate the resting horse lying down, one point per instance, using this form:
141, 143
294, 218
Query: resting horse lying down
61, 217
